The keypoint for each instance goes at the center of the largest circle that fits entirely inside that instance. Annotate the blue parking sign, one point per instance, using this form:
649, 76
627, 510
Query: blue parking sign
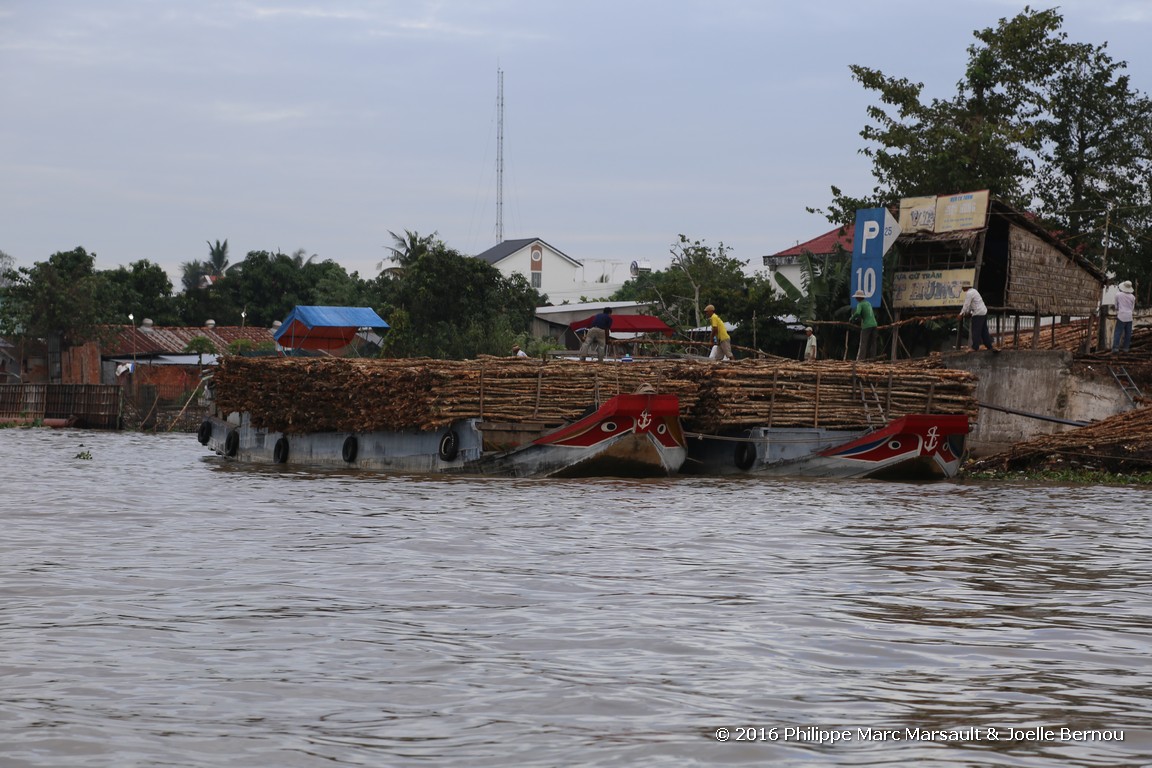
876, 230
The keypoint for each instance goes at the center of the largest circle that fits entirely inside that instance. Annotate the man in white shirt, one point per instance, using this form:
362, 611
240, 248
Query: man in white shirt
974, 306
810, 345
1125, 303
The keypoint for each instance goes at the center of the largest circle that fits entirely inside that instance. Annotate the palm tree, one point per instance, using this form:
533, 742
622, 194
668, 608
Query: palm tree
218, 258
192, 274
408, 248
298, 259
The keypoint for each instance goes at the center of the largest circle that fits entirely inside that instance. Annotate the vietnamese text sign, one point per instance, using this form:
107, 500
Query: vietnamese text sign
930, 288
966, 211
918, 214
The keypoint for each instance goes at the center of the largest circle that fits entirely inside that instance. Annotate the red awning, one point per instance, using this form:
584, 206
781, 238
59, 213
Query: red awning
630, 324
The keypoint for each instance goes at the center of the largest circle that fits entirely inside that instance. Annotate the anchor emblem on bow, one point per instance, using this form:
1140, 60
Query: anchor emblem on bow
644, 420
932, 441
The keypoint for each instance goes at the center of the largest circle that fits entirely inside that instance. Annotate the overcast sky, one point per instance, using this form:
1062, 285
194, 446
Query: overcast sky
141, 129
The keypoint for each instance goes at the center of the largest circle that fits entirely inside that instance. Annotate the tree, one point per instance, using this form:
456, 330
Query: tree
142, 289
1046, 124
217, 258
700, 275
200, 346
62, 299
406, 249
1093, 184
7, 264
194, 275
823, 295
446, 305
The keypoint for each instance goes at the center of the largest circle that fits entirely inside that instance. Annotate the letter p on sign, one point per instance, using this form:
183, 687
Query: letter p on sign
871, 232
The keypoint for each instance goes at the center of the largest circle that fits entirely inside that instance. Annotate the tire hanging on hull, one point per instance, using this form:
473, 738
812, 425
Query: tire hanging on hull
745, 455
350, 449
449, 446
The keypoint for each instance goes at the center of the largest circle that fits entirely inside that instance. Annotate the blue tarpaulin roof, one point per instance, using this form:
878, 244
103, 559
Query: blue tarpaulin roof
325, 327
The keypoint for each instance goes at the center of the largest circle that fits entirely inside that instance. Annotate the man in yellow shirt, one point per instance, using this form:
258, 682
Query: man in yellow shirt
722, 345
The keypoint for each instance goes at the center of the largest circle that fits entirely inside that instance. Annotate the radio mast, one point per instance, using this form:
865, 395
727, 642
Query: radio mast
499, 155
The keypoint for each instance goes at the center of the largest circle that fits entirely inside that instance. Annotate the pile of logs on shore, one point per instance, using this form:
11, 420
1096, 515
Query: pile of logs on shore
1121, 443
332, 394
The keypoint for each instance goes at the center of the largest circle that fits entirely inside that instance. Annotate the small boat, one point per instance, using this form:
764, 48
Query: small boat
630, 435
913, 447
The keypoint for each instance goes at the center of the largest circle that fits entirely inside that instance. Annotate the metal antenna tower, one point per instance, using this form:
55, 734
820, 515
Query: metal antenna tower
499, 155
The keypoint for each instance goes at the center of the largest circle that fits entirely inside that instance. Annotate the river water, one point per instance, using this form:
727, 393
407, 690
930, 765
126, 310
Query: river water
160, 607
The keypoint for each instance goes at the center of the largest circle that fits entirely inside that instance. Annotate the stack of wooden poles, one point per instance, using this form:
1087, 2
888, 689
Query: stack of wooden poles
332, 394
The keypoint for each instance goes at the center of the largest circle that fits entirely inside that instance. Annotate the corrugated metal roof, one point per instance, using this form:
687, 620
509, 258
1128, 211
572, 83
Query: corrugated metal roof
155, 340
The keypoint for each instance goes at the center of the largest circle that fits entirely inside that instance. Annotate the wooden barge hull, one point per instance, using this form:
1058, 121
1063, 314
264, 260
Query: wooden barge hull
914, 447
629, 436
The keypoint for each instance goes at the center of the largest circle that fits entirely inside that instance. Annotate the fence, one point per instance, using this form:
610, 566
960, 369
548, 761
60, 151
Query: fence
81, 405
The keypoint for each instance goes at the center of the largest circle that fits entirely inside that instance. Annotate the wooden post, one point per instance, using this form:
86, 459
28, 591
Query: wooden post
539, 376
772, 397
1036, 329
895, 335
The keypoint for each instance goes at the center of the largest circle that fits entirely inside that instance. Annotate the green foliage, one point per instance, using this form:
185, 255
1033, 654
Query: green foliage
217, 263
407, 248
268, 285
200, 345
702, 275
144, 290
245, 346
446, 305
1043, 123
63, 298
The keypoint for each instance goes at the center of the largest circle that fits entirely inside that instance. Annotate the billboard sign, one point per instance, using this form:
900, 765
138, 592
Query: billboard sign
930, 288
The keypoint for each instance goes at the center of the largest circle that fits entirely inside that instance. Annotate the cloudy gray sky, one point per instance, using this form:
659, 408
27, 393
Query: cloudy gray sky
140, 129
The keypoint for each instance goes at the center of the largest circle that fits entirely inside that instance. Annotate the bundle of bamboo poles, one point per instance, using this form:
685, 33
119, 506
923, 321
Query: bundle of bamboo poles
829, 394
1121, 443
342, 395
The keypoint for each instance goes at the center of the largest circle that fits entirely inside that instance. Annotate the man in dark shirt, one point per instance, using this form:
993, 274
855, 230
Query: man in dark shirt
597, 334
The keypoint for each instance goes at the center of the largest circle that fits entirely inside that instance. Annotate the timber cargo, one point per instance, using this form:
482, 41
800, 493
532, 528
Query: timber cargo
476, 415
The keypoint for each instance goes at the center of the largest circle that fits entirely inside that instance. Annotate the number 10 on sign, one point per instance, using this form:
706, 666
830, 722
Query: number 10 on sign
876, 231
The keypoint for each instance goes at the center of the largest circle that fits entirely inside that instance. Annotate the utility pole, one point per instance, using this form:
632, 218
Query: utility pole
499, 155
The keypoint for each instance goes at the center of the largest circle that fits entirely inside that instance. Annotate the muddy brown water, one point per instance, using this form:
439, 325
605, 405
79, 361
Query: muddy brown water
160, 607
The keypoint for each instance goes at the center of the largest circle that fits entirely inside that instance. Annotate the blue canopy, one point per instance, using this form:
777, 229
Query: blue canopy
325, 327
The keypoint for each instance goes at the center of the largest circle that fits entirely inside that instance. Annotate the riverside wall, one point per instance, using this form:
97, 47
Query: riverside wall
1040, 382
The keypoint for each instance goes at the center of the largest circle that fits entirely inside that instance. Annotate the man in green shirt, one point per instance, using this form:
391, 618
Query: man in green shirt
863, 313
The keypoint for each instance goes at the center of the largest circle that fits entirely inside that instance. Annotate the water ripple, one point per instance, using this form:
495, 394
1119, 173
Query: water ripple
164, 608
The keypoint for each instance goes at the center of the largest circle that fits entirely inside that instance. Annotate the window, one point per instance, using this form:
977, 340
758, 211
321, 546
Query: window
536, 282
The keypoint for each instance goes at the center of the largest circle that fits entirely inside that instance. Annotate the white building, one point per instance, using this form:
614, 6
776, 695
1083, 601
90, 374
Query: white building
552, 272
836, 243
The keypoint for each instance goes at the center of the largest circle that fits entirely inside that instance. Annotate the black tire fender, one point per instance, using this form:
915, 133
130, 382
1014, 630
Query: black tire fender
280, 451
449, 445
350, 448
232, 442
205, 433
745, 454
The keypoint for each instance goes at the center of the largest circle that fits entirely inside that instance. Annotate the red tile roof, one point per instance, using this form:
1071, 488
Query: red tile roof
823, 245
